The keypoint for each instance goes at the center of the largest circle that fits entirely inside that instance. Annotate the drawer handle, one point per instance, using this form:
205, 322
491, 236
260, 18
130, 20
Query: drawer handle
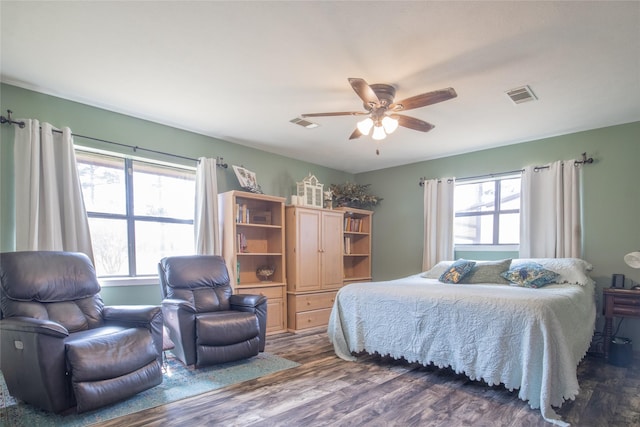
308, 302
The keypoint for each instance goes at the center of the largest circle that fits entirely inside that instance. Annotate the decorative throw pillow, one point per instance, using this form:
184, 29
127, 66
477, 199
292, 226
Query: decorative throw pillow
488, 272
530, 275
457, 271
571, 270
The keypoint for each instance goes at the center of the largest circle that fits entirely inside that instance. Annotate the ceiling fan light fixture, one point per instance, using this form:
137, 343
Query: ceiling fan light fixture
378, 133
365, 126
389, 124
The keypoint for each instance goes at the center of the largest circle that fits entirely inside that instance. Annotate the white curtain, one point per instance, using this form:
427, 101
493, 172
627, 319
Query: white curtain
50, 212
207, 229
438, 221
550, 218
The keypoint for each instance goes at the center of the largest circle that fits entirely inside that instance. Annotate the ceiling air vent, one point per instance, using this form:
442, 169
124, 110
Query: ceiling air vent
304, 123
521, 94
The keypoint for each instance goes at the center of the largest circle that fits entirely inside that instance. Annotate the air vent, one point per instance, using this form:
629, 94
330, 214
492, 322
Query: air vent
304, 123
521, 94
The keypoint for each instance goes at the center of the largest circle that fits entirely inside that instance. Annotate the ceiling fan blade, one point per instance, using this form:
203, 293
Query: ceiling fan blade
424, 99
365, 92
341, 113
356, 134
412, 123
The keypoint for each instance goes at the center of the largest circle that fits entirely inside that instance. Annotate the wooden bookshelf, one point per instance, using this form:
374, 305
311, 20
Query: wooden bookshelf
357, 244
253, 235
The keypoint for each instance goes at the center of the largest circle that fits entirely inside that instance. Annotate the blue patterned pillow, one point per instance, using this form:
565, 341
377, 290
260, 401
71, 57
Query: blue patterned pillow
457, 271
530, 275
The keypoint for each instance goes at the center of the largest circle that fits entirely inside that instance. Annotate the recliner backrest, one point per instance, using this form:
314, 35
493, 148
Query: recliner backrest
203, 280
51, 285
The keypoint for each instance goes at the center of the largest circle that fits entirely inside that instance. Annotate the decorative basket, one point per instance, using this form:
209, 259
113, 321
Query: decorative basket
265, 272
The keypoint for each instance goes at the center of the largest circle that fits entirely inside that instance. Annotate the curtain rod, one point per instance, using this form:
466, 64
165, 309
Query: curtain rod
9, 120
219, 160
585, 160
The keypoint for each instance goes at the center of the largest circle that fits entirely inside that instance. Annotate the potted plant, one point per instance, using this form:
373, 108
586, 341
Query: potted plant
353, 195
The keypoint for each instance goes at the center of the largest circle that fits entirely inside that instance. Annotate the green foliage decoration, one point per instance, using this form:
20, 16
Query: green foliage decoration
353, 195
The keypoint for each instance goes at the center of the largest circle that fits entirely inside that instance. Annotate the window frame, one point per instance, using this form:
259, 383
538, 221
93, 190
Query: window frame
132, 278
496, 213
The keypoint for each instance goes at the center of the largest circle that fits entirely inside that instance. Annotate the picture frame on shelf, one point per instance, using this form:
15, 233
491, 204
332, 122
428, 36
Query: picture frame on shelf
247, 179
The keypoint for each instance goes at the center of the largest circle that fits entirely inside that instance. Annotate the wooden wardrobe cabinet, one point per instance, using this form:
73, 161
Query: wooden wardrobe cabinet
314, 252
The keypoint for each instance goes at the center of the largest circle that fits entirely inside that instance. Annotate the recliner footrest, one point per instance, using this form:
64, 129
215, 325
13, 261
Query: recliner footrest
108, 368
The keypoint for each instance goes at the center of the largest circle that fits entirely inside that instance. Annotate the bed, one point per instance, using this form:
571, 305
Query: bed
526, 337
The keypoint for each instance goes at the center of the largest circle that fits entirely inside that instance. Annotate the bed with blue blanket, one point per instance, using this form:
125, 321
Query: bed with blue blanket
495, 324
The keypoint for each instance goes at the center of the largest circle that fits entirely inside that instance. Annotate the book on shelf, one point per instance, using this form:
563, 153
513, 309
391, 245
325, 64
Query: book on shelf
353, 224
347, 245
243, 215
241, 242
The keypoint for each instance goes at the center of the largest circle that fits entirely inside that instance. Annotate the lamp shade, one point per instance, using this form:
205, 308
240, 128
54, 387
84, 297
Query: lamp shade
378, 133
365, 126
632, 259
389, 124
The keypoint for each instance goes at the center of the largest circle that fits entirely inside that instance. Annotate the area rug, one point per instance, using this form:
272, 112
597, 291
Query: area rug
178, 383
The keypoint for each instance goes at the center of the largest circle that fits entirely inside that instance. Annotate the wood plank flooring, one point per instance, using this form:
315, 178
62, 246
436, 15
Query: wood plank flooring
376, 391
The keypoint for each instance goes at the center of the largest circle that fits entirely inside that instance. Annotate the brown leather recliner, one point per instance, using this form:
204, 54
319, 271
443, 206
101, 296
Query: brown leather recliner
206, 322
60, 346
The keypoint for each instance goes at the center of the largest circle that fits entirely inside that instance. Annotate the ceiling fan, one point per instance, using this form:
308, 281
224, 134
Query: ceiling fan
382, 117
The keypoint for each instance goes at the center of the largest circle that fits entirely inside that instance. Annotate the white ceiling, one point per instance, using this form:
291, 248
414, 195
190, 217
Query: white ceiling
239, 71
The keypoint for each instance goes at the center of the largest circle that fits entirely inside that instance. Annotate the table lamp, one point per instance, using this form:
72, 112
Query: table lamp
632, 259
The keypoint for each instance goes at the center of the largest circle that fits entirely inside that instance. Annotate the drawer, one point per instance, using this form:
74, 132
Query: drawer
314, 301
627, 300
271, 292
311, 319
626, 310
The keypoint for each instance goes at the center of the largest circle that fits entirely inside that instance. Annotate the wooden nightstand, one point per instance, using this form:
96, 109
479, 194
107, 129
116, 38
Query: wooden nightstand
618, 302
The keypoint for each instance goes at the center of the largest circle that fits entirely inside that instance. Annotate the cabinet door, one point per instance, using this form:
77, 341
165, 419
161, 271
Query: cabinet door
332, 262
308, 250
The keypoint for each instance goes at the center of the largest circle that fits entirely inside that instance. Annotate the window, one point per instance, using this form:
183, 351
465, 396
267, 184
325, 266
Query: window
138, 212
487, 212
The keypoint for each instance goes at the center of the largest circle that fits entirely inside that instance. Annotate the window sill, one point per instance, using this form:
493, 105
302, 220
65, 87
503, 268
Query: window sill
487, 248
128, 281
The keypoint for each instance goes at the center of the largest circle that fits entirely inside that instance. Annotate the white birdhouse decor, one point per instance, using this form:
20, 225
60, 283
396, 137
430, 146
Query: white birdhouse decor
310, 192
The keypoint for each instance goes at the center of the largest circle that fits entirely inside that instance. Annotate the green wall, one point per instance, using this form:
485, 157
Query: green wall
611, 202
277, 175
611, 192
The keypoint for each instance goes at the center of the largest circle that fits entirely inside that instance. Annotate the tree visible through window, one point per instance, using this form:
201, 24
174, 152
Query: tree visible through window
138, 212
487, 212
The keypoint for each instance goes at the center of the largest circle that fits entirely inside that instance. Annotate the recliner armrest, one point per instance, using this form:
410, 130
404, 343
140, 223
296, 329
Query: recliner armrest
256, 304
135, 315
36, 326
178, 304
246, 300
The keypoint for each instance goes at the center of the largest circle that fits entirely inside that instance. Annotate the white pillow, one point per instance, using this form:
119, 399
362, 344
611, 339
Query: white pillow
570, 270
436, 271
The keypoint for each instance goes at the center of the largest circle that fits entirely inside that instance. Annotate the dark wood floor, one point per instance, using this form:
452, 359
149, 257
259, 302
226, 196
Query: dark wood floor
326, 390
